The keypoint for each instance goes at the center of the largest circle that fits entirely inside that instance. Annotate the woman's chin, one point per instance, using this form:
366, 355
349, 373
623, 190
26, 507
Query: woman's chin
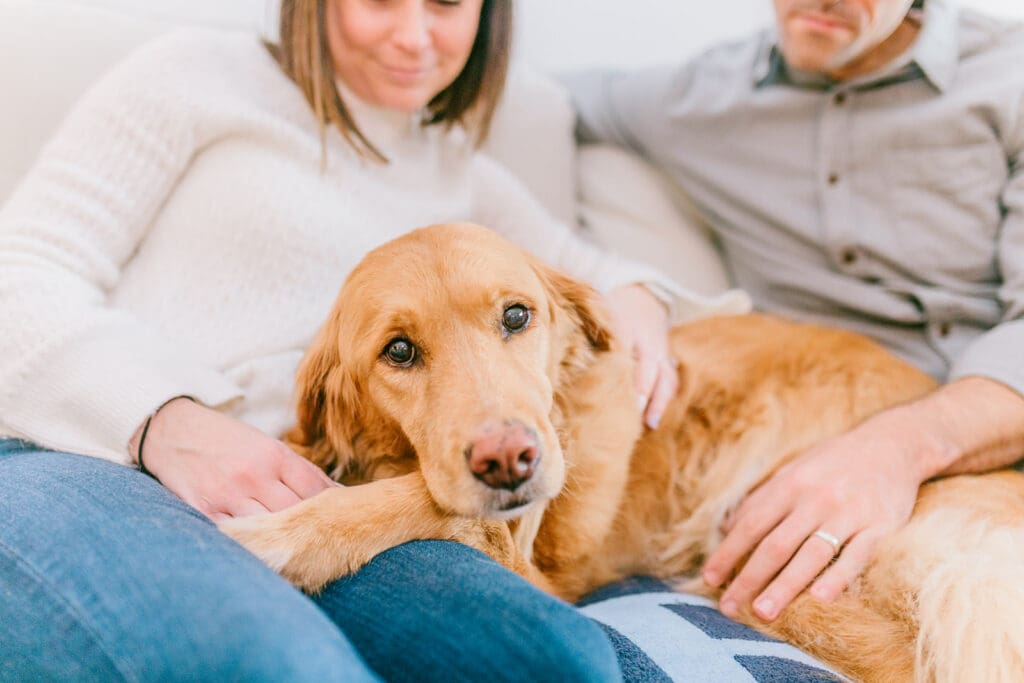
407, 99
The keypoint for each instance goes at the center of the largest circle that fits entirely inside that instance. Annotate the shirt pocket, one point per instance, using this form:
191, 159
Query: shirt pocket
946, 208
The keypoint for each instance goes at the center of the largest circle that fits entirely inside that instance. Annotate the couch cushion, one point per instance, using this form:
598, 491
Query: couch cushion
533, 135
634, 210
661, 635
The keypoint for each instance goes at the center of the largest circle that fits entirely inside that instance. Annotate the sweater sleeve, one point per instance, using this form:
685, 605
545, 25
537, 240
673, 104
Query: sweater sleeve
77, 374
502, 203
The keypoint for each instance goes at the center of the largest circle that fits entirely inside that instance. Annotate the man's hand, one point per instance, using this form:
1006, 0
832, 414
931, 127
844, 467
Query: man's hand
225, 468
859, 487
641, 322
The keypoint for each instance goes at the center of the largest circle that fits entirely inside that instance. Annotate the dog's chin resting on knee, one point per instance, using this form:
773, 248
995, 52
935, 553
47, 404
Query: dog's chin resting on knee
462, 390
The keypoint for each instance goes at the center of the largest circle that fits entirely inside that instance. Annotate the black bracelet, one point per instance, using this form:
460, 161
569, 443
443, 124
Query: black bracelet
142, 440
145, 430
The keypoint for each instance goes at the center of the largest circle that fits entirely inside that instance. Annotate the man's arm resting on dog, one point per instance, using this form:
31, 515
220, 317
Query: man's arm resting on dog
984, 422
860, 487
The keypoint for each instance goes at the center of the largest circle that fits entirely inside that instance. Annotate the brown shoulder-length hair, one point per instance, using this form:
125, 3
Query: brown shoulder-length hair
304, 55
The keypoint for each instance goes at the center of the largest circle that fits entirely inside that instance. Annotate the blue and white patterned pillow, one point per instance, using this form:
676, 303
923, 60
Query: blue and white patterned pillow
660, 635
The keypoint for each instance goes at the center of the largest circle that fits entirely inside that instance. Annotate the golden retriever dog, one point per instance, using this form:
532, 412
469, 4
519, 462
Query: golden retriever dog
462, 390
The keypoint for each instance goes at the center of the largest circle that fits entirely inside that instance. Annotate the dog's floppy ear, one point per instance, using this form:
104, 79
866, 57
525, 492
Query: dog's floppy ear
339, 427
323, 385
583, 304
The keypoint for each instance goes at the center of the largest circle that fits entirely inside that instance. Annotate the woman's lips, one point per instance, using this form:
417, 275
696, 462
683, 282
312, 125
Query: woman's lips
406, 75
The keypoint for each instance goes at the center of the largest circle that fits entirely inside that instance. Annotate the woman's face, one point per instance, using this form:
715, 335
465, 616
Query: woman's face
399, 54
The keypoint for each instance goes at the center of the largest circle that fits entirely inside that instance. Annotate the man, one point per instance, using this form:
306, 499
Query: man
862, 166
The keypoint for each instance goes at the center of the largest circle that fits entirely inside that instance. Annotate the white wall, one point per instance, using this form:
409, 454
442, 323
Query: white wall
565, 34
562, 34
235, 13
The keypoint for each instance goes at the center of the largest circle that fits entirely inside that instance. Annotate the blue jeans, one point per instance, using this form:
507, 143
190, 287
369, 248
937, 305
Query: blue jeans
106, 575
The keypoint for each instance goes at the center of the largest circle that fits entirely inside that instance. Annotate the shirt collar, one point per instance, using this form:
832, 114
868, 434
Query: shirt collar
936, 51
768, 66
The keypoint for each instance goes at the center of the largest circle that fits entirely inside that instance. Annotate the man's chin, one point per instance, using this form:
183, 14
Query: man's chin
811, 59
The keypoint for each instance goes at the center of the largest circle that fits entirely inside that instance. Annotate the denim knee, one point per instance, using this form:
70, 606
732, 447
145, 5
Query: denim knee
440, 611
567, 647
105, 575
46, 634
260, 651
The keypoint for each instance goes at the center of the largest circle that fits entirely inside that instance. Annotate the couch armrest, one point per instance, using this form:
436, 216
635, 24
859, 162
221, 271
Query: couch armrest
532, 136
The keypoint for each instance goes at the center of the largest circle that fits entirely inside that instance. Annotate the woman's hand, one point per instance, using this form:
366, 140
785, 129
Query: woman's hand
225, 468
641, 323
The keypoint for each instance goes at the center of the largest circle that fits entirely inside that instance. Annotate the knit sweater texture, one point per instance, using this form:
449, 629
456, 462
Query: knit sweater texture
181, 236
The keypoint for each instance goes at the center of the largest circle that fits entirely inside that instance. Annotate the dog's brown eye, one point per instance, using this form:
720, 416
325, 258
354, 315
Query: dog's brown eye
516, 318
400, 352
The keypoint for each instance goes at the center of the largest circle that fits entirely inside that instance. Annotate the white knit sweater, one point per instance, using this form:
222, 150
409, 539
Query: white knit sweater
178, 236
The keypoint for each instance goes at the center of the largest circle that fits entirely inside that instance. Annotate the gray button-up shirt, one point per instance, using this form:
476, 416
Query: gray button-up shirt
891, 205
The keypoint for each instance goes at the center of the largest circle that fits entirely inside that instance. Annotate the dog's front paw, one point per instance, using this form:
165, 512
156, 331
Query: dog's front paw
264, 537
288, 546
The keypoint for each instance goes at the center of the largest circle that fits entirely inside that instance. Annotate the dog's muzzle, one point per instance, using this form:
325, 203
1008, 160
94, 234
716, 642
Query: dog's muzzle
504, 456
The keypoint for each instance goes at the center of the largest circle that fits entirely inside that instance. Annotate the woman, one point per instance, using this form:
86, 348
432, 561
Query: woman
162, 268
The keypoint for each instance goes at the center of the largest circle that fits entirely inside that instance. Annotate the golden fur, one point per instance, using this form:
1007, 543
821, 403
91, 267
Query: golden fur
940, 600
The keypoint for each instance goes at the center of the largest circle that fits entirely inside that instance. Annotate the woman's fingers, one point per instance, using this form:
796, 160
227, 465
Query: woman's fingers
243, 507
234, 506
645, 375
640, 320
665, 388
276, 496
304, 478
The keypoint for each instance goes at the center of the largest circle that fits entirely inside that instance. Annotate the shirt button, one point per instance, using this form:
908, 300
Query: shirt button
833, 178
944, 329
848, 256
839, 99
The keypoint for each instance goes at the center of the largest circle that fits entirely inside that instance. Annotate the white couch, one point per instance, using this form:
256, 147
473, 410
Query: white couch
52, 50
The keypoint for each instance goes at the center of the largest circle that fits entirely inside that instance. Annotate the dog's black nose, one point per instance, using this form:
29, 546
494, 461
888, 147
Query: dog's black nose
505, 456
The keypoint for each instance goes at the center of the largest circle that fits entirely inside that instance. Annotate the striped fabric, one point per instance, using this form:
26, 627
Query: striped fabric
661, 635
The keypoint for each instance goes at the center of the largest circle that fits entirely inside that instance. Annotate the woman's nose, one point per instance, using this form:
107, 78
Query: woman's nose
412, 30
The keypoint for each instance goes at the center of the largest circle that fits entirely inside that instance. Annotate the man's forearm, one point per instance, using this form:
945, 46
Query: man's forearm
973, 424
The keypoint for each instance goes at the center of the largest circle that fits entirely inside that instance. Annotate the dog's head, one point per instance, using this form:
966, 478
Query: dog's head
446, 349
